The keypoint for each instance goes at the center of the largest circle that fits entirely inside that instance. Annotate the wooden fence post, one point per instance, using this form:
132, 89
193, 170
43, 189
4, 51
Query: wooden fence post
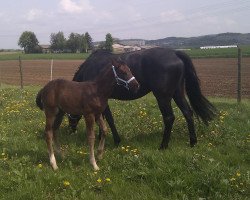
51, 69
21, 71
239, 75
0, 76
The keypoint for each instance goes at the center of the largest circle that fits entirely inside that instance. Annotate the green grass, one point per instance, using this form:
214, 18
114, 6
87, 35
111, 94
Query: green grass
217, 168
194, 53
219, 53
57, 56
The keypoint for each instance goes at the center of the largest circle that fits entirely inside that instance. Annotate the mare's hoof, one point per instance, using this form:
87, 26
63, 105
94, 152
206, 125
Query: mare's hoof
163, 147
117, 142
193, 143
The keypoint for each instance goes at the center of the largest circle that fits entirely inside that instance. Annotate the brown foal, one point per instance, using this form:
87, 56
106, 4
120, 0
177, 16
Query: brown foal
82, 98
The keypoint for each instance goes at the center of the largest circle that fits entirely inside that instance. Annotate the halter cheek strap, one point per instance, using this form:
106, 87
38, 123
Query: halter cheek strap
121, 81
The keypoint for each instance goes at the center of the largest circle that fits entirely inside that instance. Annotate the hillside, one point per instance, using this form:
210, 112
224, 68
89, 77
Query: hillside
207, 40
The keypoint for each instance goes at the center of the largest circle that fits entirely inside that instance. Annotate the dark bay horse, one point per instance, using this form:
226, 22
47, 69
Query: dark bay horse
82, 98
168, 73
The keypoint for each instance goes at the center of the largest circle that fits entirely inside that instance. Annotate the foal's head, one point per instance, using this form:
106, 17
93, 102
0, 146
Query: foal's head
124, 76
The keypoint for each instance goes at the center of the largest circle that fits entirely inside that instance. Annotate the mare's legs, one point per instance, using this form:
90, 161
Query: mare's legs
103, 129
108, 116
90, 121
164, 104
182, 103
73, 121
50, 117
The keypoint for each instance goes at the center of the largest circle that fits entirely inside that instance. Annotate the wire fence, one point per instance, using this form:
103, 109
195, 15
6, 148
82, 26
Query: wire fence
36, 72
218, 76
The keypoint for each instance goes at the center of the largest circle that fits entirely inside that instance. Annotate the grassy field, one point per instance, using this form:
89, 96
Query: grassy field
56, 56
194, 53
217, 168
219, 53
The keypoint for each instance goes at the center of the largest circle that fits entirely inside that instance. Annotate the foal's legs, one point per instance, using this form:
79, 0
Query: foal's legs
103, 129
56, 125
182, 103
90, 121
168, 119
50, 117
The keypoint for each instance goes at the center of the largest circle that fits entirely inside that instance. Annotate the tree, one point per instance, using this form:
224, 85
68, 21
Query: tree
89, 41
73, 43
84, 43
28, 42
109, 42
57, 41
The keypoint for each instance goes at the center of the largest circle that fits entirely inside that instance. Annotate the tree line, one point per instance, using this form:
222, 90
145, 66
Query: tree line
60, 44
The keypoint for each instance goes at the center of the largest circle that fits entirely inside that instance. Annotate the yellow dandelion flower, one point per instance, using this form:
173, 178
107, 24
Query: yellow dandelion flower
66, 183
238, 174
108, 179
99, 180
40, 165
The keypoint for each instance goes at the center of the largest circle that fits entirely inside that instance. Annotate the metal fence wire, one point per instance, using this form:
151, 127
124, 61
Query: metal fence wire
218, 76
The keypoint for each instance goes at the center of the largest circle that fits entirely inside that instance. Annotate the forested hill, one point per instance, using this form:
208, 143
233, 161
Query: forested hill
207, 40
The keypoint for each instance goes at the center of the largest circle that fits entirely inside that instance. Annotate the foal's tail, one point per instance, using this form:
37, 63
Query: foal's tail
201, 106
39, 99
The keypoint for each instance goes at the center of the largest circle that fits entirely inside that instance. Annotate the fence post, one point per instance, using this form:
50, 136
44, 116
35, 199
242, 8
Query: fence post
0, 77
21, 71
51, 69
239, 75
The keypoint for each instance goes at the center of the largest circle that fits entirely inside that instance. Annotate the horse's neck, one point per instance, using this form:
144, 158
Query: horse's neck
105, 83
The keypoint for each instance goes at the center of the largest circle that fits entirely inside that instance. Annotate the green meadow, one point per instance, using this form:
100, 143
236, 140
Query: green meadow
194, 53
43, 56
217, 168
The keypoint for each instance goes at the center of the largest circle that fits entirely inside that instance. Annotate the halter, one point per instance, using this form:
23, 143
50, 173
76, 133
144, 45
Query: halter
121, 81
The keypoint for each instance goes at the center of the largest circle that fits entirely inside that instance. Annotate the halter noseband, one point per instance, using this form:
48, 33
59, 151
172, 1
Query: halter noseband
121, 81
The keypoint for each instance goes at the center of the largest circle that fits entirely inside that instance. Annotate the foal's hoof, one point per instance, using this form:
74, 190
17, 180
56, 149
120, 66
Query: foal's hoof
99, 155
96, 168
55, 168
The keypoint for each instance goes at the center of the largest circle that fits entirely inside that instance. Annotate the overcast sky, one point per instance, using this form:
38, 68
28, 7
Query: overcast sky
124, 19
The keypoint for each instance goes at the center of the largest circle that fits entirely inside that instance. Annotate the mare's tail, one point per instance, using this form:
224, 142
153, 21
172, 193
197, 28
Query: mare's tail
39, 99
201, 106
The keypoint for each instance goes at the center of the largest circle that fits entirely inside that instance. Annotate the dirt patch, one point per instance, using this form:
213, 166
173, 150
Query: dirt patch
218, 76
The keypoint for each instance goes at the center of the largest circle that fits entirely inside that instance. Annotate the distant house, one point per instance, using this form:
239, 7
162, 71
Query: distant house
219, 47
45, 48
119, 48
133, 42
148, 47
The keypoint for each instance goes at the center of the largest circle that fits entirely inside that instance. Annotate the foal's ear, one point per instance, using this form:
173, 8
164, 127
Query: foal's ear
115, 63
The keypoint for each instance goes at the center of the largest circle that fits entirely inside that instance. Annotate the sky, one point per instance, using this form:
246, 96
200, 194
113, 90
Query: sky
124, 19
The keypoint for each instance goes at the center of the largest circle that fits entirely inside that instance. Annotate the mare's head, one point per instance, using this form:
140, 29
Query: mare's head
124, 76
